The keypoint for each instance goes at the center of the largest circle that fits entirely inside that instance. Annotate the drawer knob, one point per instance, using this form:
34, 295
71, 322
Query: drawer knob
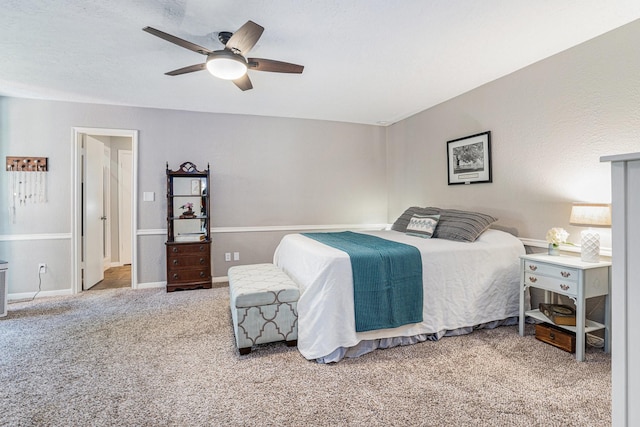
552, 335
533, 279
533, 267
201, 248
201, 261
565, 274
202, 274
175, 275
175, 262
174, 249
564, 287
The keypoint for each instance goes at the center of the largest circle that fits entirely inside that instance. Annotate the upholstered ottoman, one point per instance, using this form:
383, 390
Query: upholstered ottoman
264, 305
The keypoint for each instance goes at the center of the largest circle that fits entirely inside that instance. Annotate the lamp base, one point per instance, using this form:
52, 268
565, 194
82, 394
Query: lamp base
590, 246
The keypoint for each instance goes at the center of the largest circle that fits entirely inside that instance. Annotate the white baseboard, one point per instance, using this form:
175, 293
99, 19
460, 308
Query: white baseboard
149, 285
29, 295
62, 292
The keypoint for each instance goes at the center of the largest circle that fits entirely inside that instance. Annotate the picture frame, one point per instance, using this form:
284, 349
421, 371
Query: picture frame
469, 159
196, 188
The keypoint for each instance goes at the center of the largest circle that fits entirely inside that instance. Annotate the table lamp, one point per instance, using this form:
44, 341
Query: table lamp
590, 215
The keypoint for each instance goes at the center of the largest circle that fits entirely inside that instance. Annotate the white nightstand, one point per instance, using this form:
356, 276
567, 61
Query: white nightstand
578, 280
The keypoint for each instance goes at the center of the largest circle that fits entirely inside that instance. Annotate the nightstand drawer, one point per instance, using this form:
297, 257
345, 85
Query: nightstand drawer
563, 273
565, 287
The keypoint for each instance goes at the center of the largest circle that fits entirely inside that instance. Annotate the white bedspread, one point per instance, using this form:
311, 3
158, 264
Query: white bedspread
465, 284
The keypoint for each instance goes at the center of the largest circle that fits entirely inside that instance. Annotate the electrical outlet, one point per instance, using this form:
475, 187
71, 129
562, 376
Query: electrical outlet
236, 256
42, 267
227, 256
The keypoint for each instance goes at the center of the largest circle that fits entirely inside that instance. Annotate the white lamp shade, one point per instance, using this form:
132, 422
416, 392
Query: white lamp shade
226, 65
591, 215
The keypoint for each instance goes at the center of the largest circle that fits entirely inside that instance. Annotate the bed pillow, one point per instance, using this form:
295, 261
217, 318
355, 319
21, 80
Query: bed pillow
462, 226
403, 220
422, 225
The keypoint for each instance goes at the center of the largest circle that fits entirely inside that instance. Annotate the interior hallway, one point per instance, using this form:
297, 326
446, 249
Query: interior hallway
115, 277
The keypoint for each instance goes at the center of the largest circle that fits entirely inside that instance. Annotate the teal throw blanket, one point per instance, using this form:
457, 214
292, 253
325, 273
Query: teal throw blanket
387, 279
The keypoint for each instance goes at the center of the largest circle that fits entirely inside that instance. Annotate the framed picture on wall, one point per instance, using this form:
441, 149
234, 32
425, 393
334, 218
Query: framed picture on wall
469, 159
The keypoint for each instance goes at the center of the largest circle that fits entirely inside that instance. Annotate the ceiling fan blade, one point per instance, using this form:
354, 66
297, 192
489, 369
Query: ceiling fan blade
243, 82
245, 38
180, 42
185, 70
270, 65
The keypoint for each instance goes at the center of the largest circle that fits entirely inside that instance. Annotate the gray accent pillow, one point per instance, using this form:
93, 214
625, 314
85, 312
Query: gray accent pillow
462, 226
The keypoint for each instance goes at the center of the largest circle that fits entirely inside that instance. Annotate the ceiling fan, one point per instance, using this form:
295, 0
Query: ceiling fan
230, 63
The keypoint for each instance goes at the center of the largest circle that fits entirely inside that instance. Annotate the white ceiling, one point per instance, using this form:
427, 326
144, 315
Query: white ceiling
366, 61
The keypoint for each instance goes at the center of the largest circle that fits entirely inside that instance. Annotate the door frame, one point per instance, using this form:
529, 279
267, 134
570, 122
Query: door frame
76, 201
120, 197
106, 207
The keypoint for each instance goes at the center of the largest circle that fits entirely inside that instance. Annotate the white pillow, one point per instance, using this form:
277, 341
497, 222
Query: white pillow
422, 225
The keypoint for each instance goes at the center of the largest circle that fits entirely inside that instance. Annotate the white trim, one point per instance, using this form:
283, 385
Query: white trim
127, 186
564, 248
134, 208
25, 237
106, 206
150, 285
42, 294
298, 228
76, 282
218, 230
151, 232
628, 157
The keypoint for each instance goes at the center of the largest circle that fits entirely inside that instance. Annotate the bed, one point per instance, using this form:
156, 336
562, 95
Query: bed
466, 285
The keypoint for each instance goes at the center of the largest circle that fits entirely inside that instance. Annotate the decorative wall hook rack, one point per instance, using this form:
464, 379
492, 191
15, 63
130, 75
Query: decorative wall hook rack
27, 164
26, 188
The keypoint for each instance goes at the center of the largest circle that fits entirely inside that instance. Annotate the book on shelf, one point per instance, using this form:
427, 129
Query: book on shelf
560, 314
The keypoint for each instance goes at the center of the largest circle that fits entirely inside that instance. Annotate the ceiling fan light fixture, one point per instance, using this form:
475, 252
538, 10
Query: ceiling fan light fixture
226, 65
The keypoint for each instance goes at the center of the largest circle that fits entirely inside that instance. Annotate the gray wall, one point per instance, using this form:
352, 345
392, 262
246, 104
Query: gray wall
265, 172
550, 123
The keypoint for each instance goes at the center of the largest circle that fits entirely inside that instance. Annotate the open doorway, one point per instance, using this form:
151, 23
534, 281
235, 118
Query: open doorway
103, 232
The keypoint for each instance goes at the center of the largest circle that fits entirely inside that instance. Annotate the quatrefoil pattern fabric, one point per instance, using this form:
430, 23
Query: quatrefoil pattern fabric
263, 301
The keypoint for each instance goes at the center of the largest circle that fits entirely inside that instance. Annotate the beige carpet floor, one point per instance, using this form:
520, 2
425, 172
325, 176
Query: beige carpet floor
147, 358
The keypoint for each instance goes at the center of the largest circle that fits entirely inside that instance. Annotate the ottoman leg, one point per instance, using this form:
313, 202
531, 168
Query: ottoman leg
292, 343
244, 350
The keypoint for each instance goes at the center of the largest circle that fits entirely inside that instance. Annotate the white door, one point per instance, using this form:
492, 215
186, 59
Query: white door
106, 207
93, 212
125, 167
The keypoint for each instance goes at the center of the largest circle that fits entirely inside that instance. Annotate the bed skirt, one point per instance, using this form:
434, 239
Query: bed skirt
367, 346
